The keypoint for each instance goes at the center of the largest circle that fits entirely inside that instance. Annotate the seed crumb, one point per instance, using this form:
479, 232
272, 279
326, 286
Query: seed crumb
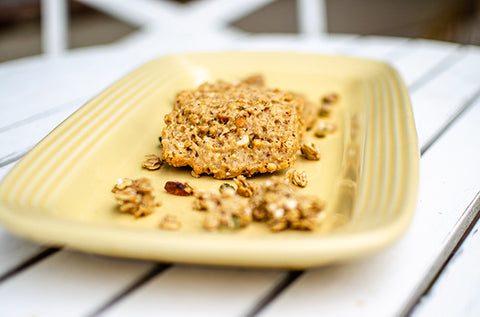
324, 128
194, 175
226, 190
330, 98
297, 178
326, 104
170, 222
310, 151
152, 162
325, 110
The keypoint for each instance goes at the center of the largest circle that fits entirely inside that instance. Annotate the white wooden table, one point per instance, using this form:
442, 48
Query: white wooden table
431, 271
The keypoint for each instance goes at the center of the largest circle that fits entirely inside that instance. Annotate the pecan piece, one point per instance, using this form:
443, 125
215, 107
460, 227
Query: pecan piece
178, 188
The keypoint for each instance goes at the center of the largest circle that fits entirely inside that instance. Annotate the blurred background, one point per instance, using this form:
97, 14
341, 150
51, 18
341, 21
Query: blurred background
90, 23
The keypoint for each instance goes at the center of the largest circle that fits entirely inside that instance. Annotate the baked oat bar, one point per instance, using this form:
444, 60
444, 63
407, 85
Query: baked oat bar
230, 129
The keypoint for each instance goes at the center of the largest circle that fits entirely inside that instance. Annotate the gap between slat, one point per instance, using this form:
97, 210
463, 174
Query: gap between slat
466, 105
469, 218
444, 64
291, 277
40, 115
159, 268
436, 70
29, 262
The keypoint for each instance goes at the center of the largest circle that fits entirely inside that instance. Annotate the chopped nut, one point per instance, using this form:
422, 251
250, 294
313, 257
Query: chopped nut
244, 188
229, 212
135, 196
330, 98
205, 200
211, 221
170, 222
324, 128
179, 188
296, 178
227, 189
278, 225
304, 224
152, 162
275, 202
282, 207
310, 151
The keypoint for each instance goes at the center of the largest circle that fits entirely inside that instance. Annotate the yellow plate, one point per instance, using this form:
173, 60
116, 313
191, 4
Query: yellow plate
59, 193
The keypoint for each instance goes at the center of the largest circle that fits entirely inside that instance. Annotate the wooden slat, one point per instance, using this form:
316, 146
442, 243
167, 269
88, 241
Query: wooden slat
443, 96
47, 84
421, 58
21, 137
197, 273
240, 279
67, 284
374, 47
20, 249
199, 291
456, 291
387, 283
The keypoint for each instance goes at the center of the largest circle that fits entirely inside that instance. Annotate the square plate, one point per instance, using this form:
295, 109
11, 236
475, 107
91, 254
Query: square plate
59, 193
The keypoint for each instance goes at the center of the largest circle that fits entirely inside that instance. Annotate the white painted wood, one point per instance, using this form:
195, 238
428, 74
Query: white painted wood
373, 47
442, 97
145, 13
15, 250
457, 289
68, 284
48, 84
54, 27
370, 270
291, 43
312, 17
216, 14
421, 56
199, 291
383, 284
23, 137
